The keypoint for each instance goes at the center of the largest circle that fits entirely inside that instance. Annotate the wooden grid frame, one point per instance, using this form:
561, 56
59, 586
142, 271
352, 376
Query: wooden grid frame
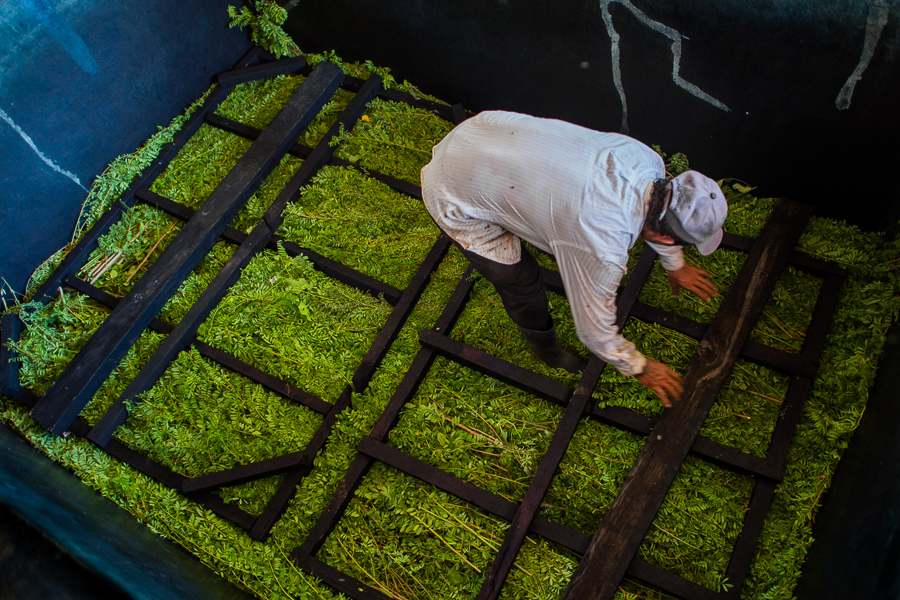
669, 438
58, 409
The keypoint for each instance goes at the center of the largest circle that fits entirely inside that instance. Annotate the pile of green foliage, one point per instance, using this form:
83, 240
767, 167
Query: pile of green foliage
400, 535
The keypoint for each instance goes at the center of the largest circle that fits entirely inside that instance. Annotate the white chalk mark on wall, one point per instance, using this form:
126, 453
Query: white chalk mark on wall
676, 57
878, 16
40, 154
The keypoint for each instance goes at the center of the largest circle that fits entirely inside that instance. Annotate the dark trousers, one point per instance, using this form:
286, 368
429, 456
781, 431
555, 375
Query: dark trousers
520, 286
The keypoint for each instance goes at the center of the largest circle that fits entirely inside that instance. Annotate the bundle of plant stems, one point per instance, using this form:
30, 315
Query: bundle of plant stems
400, 535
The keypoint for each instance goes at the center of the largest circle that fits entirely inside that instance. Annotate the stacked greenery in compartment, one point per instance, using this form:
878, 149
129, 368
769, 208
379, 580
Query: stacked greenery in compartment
401, 536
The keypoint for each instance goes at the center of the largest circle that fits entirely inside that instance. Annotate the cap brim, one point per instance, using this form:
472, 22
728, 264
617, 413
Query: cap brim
710, 245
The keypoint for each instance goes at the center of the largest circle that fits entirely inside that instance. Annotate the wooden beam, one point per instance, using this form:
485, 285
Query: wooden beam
10, 327
229, 79
616, 542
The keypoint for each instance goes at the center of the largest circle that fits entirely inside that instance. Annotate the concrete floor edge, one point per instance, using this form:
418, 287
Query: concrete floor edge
98, 533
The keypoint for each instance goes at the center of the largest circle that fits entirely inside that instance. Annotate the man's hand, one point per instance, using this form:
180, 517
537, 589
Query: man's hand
693, 280
662, 380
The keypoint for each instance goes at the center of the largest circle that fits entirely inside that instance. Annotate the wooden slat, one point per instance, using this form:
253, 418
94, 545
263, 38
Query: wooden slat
243, 473
228, 275
341, 273
767, 356
505, 371
462, 489
540, 483
670, 582
269, 69
101, 354
720, 454
335, 508
278, 503
301, 151
622, 530
10, 328
789, 416
745, 547
340, 581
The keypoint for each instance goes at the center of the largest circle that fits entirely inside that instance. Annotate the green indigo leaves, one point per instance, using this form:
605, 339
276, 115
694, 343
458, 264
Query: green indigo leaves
400, 535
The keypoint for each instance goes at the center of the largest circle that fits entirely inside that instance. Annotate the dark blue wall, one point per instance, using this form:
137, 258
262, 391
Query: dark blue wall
82, 82
778, 66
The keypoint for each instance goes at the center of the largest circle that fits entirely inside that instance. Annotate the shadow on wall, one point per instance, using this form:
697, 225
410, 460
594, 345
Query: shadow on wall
80, 84
794, 97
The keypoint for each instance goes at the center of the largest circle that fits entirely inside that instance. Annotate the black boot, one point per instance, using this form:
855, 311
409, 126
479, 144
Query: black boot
547, 347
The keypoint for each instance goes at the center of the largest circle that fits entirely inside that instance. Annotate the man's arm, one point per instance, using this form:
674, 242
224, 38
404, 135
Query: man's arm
591, 287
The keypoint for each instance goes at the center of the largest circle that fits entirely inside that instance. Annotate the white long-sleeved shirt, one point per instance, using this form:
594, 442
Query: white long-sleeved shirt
576, 193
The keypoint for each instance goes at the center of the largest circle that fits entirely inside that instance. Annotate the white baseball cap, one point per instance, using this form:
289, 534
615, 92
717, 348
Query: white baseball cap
697, 211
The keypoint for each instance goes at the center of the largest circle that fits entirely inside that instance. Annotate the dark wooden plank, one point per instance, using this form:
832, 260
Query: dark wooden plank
236, 515
623, 418
77, 256
151, 468
342, 273
278, 503
302, 151
669, 582
503, 508
666, 318
780, 360
399, 185
638, 569
507, 372
340, 581
336, 506
745, 547
462, 489
243, 473
101, 354
10, 328
442, 110
720, 454
227, 276
799, 387
401, 312
138, 461
25, 397
229, 79
622, 530
735, 460
270, 382
423, 359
